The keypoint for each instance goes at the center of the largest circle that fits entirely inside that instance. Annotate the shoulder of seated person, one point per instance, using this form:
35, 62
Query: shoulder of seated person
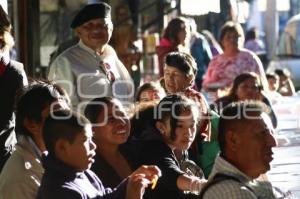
229, 189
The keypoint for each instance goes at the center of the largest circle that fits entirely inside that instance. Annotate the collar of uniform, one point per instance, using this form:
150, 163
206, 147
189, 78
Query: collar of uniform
88, 49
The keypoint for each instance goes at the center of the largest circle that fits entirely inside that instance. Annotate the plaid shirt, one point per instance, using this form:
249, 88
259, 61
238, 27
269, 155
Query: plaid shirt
233, 189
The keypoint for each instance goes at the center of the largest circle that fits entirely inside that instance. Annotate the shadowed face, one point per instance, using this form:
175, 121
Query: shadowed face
252, 146
79, 154
248, 90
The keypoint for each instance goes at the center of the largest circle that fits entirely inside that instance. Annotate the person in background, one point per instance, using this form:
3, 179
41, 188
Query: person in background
246, 141
253, 43
179, 75
246, 86
12, 79
213, 43
149, 91
273, 81
235, 60
91, 68
286, 86
201, 52
23, 171
68, 139
174, 38
114, 160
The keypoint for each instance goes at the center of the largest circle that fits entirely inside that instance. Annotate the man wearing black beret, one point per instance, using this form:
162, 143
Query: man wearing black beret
91, 68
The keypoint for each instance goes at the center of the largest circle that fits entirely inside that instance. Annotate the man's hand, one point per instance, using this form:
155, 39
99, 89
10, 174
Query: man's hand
140, 179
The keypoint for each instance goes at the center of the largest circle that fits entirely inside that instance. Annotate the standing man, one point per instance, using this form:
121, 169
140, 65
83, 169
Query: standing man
12, 78
246, 141
91, 68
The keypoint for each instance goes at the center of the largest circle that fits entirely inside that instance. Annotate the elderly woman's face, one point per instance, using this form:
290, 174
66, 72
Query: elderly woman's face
231, 39
175, 80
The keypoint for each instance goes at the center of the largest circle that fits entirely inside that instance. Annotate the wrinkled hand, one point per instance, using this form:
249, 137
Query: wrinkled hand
140, 179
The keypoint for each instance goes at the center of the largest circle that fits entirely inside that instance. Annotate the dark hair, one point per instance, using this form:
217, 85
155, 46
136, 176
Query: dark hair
252, 33
272, 76
143, 121
230, 26
95, 107
32, 101
173, 28
182, 61
171, 107
147, 86
236, 114
282, 72
63, 124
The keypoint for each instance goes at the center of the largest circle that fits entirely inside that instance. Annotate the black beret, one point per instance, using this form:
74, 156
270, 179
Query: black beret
89, 12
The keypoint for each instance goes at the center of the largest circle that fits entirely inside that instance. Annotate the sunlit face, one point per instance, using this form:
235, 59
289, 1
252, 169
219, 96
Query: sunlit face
79, 154
95, 33
248, 90
185, 131
273, 84
175, 80
254, 146
113, 125
150, 95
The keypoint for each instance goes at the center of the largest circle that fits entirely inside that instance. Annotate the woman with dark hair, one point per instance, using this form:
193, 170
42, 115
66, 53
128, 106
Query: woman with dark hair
235, 60
246, 86
174, 39
114, 161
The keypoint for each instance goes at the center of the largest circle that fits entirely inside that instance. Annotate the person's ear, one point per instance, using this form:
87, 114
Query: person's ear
161, 127
61, 147
232, 140
32, 125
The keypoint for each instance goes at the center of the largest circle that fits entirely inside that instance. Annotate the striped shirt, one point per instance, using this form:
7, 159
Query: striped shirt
234, 189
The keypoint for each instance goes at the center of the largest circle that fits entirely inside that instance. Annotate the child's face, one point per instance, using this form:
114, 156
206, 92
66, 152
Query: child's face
113, 126
273, 84
185, 131
150, 95
80, 153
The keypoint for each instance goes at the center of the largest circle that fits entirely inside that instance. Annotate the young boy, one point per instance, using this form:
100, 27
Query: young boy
68, 139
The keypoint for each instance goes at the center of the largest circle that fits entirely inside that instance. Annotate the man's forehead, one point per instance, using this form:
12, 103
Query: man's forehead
99, 20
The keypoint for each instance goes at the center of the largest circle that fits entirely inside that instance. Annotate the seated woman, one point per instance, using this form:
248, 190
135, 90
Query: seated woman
176, 121
246, 86
113, 161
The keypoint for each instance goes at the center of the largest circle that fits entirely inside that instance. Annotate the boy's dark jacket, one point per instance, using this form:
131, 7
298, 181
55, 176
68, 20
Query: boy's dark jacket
62, 181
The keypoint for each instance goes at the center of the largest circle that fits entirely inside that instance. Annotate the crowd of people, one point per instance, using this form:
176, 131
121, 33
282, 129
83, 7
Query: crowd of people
86, 132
